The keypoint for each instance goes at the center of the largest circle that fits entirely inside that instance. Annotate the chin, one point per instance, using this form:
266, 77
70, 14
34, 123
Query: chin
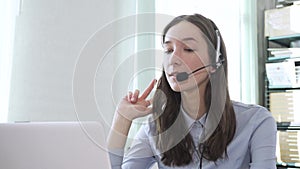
175, 88
180, 88
189, 85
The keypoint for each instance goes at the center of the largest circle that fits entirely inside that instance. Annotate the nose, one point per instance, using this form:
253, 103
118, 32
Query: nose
175, 57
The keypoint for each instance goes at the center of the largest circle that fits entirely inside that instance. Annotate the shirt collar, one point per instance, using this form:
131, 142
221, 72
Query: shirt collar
190, 121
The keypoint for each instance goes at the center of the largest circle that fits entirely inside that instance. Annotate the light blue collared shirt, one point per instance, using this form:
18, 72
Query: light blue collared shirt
253, 146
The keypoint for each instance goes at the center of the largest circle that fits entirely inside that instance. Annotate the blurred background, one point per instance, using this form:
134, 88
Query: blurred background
44, 43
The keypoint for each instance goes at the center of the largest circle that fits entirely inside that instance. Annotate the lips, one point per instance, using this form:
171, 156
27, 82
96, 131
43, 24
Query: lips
172, 74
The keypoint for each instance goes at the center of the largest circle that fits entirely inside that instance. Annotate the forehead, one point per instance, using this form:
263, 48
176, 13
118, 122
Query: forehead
184, 30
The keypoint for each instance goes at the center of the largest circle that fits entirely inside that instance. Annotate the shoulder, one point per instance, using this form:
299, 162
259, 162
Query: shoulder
250, 110
252, 114
239, 106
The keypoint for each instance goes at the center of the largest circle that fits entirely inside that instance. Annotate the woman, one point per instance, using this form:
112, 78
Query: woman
193, 123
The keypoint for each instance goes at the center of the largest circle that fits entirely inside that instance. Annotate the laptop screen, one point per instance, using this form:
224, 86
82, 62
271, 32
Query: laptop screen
49, 145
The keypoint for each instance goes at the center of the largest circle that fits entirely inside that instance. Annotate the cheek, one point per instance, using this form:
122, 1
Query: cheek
203, 55
194, 63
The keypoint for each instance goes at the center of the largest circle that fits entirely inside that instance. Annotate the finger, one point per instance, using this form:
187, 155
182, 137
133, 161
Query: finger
143, 110
129, 96
145, 103
135, 96
148, 89
150, 101
148, 111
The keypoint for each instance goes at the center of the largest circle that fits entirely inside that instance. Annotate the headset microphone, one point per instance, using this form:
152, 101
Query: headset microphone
182, 76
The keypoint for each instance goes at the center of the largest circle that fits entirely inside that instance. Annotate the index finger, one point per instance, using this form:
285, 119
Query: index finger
148, 89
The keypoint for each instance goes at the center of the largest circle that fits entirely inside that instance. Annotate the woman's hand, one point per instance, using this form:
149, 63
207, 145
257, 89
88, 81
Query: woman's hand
130, 107
133, 106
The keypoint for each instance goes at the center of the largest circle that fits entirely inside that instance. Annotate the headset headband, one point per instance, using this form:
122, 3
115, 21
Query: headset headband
218, 53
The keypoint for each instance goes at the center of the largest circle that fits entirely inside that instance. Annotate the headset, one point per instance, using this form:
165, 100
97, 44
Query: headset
219, 61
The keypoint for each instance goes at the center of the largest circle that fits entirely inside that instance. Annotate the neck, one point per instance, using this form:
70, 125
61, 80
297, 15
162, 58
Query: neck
193, 102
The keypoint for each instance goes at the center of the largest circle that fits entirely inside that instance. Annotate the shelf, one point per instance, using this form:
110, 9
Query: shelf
281, 99
279, 58
288, 165
288, 126
282, 89
285, 40
273, 59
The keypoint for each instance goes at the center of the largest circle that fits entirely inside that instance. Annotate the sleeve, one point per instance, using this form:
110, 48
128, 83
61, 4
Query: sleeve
139, 155
116, 158
263, 142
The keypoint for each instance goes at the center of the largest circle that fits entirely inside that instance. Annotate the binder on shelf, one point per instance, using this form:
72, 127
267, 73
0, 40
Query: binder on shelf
283, 53
282, 21
289, 147
284, 106
282, 74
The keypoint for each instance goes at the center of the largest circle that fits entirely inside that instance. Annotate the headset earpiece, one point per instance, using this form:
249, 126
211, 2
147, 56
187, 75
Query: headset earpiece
218, 52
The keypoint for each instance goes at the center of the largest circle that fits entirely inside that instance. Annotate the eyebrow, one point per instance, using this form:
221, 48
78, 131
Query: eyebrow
184, 39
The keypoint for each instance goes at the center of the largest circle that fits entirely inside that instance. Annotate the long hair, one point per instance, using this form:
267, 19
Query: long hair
169, 124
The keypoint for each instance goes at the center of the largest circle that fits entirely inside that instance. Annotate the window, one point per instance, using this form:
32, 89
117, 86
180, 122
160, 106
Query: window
8, 11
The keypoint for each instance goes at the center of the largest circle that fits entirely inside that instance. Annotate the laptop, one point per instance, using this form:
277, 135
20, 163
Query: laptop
53, 145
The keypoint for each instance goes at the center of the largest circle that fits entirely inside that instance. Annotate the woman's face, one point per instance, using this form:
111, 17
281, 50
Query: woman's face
185, 51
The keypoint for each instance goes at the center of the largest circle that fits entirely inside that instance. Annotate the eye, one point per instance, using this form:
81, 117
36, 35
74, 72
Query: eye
189, 50
168, 51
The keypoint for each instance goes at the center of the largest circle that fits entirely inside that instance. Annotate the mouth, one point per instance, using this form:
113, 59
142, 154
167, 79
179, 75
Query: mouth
172, 74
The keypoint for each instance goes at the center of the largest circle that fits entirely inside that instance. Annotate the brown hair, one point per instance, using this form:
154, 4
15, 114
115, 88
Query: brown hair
166, 108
